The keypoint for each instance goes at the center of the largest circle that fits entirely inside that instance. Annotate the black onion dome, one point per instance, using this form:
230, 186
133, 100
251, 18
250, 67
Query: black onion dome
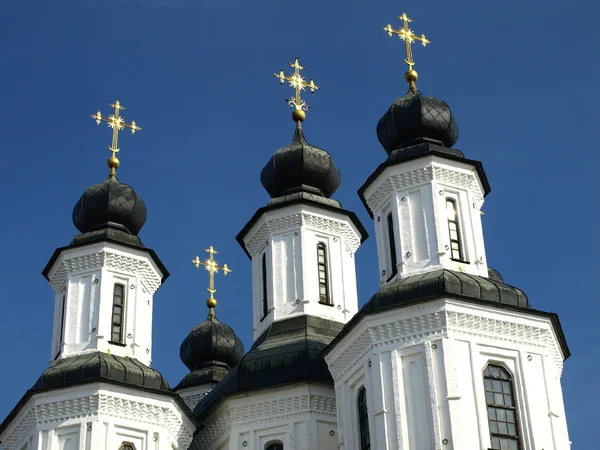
108, 204
416, 116
210, 343
300, 167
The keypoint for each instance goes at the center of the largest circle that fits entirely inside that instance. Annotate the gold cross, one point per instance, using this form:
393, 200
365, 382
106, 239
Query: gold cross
298, 83
409, 38
212, 267
117, 123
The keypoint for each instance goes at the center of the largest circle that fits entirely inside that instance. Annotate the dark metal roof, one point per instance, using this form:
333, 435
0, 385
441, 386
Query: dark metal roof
287, 352
420, 148
305, 200
108, 203
210, 350
445, 283
101, 366
300, 167
416, 116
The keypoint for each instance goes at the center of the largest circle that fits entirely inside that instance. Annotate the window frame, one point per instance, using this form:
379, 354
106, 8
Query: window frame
61, 335
363, 419
392, 254
326, 283
265, 287
509, 380
121, 324
462, 251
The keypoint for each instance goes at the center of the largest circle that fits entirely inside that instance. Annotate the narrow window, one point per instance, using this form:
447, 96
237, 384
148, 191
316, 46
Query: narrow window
118, 313
61, 336
277, 446
265, 305
455, 243
392, 244
501, 410
323, 274
363, 420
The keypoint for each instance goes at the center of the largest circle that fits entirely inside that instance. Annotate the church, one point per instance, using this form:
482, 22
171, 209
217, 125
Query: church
445, 355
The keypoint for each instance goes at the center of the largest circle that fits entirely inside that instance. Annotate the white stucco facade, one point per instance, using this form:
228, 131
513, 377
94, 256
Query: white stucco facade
83, 280
422, 368
300, 416
285, 240
415, 195
99, 416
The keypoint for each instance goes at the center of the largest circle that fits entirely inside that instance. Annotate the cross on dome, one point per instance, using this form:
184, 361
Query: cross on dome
299, 84
117, 123
212, 267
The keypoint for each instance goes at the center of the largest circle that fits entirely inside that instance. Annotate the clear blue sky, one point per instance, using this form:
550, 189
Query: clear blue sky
520, 76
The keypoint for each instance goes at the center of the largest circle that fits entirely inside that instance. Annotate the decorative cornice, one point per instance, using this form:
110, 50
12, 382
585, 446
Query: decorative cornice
99, 404
266, 411
105, 259
443, 324
313, 221
431, 172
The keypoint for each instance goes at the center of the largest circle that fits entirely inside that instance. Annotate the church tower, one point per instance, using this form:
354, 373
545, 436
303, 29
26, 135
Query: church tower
100, 391
302, 244
445, 355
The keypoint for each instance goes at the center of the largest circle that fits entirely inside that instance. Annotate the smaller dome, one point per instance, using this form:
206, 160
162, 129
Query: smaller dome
300, 167
416, 116
109, 204
211, 343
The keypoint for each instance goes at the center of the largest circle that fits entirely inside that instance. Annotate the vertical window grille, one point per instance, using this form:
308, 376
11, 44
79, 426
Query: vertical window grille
118, 313
454, 230
501, 408
275, 447
323, 274
265, 306
61, 336
392, 244
363, 420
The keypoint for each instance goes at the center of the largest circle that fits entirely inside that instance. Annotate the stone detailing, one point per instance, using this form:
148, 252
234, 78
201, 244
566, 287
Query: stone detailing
426, 174
21, 432
442, 324
294, 221
109, 260
100, 405
192, 400
241, 416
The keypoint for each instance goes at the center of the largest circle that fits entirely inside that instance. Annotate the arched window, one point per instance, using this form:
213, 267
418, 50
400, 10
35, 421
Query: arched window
363, 420
501, 408
392, 247
265, 304
118, 314
456, 251
127, 446
324, 296
276, 446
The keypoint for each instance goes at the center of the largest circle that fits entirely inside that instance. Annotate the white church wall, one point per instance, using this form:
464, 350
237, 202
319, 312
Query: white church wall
191, 396
300, 416
86, 277
415, 193
422, 368
288, 237
99, 416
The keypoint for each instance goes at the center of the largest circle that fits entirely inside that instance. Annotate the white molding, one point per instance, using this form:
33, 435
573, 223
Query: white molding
110, 260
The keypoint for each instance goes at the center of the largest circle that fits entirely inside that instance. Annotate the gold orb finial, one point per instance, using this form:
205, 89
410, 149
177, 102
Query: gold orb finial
298, 115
